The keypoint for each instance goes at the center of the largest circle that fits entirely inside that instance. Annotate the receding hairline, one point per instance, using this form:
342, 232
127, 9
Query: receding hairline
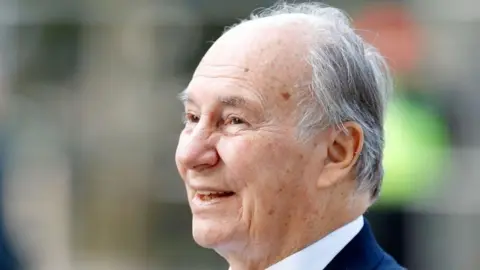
288, 23
299, 80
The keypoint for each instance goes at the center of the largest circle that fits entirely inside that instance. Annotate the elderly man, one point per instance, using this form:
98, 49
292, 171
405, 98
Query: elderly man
281, 152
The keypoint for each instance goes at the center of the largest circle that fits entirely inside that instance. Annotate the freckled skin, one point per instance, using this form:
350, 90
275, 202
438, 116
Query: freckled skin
274, 176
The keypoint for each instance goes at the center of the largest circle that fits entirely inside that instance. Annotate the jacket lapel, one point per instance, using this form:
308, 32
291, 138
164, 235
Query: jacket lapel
362, 253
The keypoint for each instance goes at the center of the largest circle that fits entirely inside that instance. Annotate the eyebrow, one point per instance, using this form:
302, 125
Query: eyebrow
233, 101
227, 101
183, 96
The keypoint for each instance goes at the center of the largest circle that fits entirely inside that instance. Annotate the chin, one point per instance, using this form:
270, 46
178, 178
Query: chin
212, 233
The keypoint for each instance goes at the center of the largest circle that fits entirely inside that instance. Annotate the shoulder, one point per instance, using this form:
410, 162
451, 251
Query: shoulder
388, 263
364, 253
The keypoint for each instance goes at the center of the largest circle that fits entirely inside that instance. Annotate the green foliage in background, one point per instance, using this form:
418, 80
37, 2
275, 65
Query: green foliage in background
416, 152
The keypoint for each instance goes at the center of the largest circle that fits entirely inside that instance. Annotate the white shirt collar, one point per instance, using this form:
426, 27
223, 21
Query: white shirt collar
318, 255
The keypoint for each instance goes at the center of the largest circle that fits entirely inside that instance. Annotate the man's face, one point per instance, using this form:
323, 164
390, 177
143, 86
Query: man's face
246, 174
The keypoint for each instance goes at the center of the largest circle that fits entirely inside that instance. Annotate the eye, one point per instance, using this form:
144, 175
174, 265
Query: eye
235, 121
190, 118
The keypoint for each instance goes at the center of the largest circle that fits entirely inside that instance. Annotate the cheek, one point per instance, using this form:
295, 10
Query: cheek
270, 175
236, 155
266, 167
245, 156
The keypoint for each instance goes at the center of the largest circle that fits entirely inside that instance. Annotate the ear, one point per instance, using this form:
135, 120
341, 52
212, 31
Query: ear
343, 152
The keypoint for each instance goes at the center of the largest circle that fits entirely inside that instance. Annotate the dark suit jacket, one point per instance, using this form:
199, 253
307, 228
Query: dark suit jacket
8, 259
363, 253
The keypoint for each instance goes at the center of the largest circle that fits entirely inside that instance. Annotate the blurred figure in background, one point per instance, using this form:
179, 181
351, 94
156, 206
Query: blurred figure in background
282, 148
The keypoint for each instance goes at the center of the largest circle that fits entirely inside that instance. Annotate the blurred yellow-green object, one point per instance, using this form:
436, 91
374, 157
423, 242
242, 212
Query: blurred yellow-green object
416, 151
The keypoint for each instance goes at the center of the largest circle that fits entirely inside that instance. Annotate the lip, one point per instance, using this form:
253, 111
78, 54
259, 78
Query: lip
199, 206
205, 188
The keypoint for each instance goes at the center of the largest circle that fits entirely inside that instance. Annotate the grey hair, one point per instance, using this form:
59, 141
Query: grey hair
351, 82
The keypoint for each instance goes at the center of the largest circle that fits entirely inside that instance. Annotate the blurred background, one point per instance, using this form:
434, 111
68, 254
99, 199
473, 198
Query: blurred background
89, 124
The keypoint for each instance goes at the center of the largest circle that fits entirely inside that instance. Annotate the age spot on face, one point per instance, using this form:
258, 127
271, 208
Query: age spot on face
286, 95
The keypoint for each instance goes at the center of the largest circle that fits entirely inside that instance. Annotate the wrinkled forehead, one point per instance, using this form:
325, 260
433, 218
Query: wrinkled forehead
266, 57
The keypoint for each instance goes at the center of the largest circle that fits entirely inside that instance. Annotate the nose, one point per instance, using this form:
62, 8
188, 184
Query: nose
196, 151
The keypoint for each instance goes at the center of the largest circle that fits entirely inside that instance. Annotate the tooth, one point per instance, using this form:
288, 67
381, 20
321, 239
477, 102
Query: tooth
208, 193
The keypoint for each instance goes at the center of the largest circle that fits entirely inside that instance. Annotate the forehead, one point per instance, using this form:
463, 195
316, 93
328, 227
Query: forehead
234, 99
259, 60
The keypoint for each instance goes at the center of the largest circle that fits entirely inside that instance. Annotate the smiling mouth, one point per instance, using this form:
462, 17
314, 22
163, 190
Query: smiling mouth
208, 196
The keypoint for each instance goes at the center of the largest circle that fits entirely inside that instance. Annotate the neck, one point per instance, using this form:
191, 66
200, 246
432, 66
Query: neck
283, 243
